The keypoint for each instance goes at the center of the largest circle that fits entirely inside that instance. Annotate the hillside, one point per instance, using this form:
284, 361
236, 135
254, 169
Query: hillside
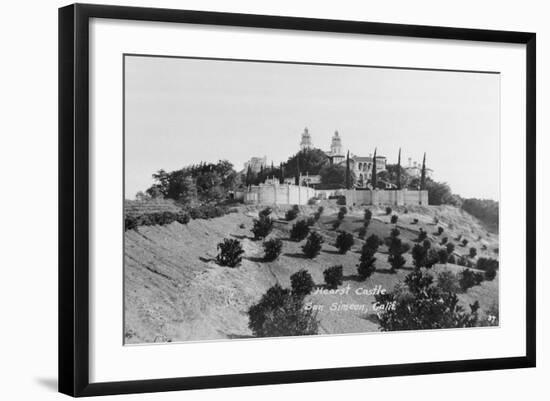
174, 291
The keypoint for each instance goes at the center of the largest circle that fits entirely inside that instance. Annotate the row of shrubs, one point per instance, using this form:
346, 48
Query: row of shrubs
132, 222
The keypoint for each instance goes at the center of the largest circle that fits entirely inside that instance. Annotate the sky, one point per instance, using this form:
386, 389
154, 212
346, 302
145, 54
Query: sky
182, 111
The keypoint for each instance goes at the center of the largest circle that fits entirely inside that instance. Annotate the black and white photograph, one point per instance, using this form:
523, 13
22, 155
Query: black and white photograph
278, 199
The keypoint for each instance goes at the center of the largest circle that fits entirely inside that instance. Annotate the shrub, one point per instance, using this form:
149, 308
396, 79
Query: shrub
320, 210
344, 242
394, 219
362, 232
468, 278
278, 313
312, 247
483, 247
448, 281
440, 230
336, 224
415, 221
272, 249
422, 235
388, 210
341, 200
291, 214
373, 242
406, 211
265, 212
473, 252
262, 227
489, 266
394, 232
302, 284
459, 237
130, 223
368, 215
426, 244
464, 242
450, 248
230, 251
419, 304
443, 255
436, 220
296, 208
316, 216
299, 230
241, 226
419, 254
451, 259
396, 251
208, 211
333, 277
342, 213
366, 263
432, 258
444, 240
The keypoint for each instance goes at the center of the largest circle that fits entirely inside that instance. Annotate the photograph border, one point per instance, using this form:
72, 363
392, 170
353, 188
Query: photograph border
74, 157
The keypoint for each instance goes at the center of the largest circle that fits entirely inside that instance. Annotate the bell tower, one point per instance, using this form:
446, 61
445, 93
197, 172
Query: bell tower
336, 144
306, 143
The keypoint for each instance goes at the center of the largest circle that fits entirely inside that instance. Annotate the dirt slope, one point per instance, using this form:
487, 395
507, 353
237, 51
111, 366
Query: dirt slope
174, 291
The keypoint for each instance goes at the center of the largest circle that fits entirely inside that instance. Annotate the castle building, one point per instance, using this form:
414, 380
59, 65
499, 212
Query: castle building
335, 154
414, 169
256, 164
306, 142
361, 166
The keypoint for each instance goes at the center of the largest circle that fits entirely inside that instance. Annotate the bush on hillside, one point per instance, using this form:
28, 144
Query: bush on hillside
230, 251
265, 212
334, 277
394, 219
443, 255
440, 230
388, 210
299, 230
415, 221
367, 215
272, 249
301, 283
468, 278
262, 227
464, 242
279, 313
291, 214
450, 248
362, 232
373, 242
396, 250
344, 242
444, 240
448, 281
342, 213
313, 245
336, 224
366, 267
419, 304
473, 252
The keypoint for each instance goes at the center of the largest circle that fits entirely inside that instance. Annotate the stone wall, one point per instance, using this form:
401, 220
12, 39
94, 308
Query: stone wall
279, 194
287, 194
386, 197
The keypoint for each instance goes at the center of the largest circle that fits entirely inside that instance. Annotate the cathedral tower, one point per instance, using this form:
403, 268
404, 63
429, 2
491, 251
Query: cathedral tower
306, 143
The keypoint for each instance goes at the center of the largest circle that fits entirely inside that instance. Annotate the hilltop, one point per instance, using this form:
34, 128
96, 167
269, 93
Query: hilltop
175, 291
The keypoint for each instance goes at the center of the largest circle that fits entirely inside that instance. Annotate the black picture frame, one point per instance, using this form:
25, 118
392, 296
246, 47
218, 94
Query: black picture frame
74, 198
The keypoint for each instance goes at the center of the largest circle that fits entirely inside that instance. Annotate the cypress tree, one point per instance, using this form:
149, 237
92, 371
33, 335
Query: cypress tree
348, 175
248, 172
423, 174
398, 180
373, 177
297, 179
